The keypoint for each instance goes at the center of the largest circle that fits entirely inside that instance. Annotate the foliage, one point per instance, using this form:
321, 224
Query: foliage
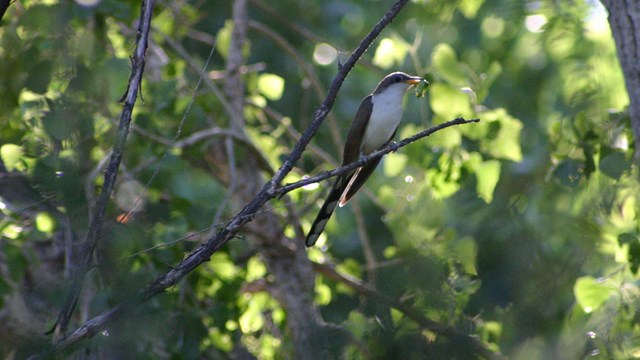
521, 230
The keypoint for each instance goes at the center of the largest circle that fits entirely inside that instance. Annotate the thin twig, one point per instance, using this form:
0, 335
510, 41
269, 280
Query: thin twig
91, 239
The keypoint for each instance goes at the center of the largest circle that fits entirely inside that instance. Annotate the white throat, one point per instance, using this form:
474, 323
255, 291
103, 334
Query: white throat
385, 117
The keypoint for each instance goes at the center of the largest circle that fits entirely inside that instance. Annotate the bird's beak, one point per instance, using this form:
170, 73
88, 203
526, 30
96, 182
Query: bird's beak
414, 80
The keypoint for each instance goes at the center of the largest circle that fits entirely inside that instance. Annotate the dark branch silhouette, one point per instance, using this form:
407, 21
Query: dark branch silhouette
4, 5
111, 172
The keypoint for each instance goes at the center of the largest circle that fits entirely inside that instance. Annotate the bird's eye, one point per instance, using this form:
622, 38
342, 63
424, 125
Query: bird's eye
397, 78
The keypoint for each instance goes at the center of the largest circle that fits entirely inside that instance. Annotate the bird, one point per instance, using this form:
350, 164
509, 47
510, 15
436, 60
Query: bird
373, 126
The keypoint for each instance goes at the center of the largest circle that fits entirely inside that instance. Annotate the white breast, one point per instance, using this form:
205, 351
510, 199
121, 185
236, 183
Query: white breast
385, 117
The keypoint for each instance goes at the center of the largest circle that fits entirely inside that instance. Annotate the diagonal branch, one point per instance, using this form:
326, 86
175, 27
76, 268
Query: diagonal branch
91, 239
393, 146
4, 5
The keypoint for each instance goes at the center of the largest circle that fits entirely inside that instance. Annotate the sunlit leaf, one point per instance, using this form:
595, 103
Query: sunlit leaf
445, 64
251, 320
591, 293
391, 51
488, 174
45, 223
11, 156
449, 103
490, 76
499, 134
323, 294
271, 86
469, 8
465, 250
255, 269
222, 266
223, 39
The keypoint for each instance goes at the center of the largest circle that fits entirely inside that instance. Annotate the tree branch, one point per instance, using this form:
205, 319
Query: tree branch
393, 146
4, 5
91, 239
624, 19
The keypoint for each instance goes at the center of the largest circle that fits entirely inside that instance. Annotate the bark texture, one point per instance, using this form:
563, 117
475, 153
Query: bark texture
286, 259
624, 19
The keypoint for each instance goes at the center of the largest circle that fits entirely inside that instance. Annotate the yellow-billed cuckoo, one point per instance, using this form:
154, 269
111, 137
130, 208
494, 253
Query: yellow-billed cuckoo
374, 125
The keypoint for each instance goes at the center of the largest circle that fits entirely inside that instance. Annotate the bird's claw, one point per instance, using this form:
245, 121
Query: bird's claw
394, 146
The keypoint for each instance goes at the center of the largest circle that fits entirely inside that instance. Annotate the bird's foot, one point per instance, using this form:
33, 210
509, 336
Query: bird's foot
394, 146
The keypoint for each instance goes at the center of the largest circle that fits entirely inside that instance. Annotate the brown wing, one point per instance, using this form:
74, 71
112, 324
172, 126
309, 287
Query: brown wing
356, 131
360, 177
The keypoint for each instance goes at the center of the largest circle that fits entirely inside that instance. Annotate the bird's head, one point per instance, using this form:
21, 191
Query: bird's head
397, 81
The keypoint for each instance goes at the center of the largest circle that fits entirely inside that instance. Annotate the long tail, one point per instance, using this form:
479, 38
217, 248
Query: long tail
327, 209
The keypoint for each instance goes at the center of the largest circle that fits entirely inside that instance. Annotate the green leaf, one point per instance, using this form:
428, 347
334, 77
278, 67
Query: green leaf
465, 250
498, 134
633, 253
445, 64
390, 52
11, 155
448, 102
614, 165
568, 172
223, 39
255, 269
469, 8
357, 324
45, 223
591, 293
271, 86
488, 174
490, 76
323, 294
251, 320
222, 266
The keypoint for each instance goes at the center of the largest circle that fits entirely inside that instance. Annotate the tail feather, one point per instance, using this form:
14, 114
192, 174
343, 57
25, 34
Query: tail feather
327, 209
357, 180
